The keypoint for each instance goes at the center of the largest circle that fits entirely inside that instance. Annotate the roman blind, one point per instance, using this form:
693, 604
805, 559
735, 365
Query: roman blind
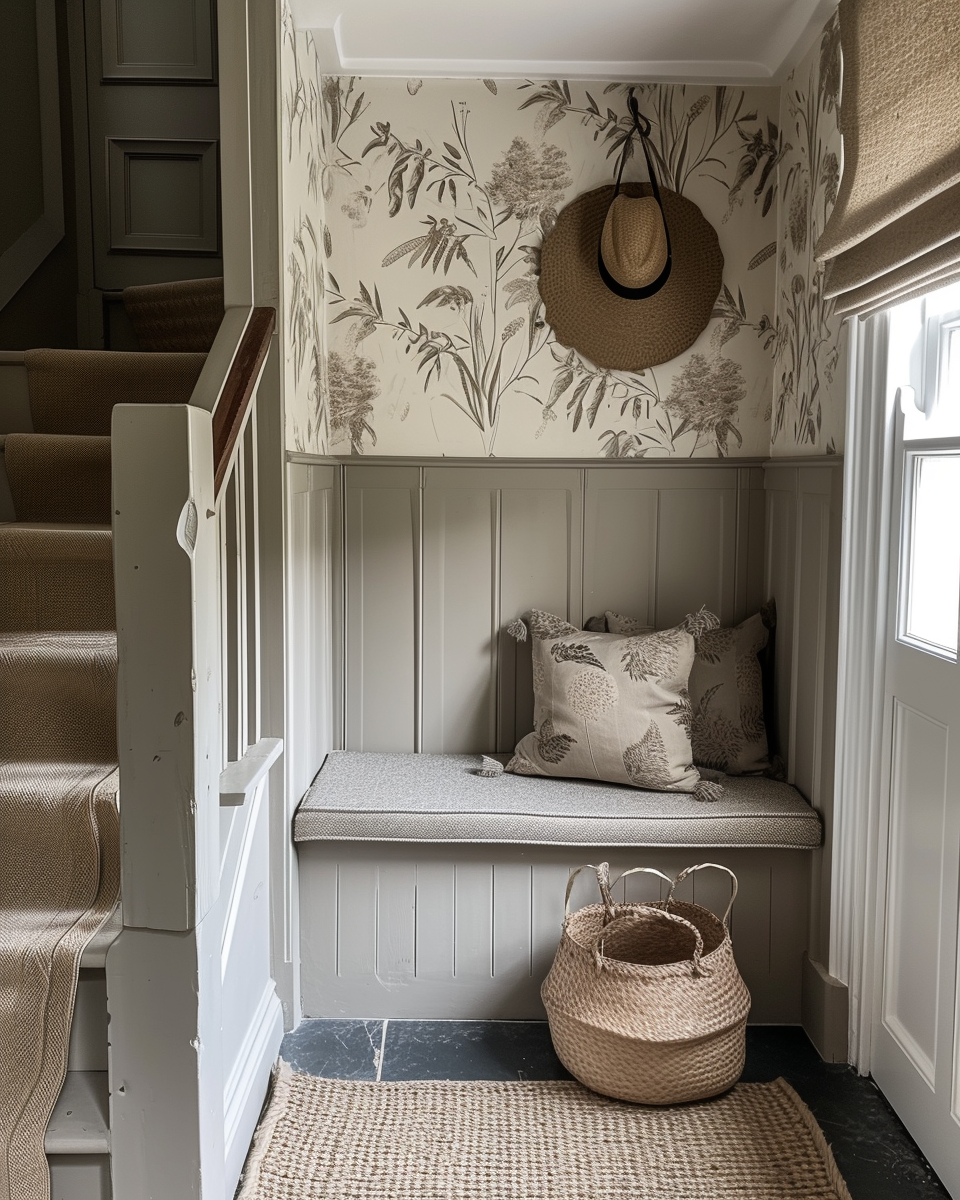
895, 229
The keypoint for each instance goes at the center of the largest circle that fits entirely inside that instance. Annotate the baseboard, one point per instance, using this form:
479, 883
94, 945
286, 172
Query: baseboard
246, 1086
824, 1011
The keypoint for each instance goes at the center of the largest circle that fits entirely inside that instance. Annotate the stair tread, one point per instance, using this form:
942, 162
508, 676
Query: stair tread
80, 1123
95, 954
55, 577
75, 391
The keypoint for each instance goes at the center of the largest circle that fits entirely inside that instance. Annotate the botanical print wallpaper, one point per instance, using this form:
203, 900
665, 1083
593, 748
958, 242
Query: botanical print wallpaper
427, 202
414, 211
303, 232
810, 347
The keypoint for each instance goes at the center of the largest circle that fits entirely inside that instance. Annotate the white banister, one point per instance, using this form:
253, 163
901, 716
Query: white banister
168, 640
239, 780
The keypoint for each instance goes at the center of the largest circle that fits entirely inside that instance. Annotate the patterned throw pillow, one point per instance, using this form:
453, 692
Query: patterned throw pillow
612, 707
726, 692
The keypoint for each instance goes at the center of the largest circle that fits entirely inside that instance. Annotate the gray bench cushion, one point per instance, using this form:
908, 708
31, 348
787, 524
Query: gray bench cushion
439, 798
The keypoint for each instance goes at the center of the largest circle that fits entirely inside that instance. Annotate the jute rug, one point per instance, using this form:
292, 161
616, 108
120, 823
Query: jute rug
324, 1139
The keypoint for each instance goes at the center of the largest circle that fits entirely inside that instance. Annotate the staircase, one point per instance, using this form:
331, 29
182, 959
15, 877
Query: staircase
59, 844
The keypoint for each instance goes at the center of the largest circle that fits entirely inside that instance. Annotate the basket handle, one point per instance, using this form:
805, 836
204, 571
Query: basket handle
699, 867
603, 882
635, 871
603, 879
643, 912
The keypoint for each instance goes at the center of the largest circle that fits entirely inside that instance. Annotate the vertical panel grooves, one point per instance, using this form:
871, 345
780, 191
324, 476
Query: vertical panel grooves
771, 922
376, 922
336, 924
493, 915
582, 523
344, 609
530, 927
416, 917
418, 617
497, 618
655, 581
455, 892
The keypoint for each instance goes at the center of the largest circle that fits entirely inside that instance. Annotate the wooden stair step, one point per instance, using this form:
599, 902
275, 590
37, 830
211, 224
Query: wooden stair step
80, 1123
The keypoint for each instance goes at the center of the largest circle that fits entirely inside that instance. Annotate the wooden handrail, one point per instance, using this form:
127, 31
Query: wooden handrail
228, 416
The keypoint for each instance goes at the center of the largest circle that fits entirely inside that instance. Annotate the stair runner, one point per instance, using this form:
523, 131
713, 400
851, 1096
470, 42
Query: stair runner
59, 828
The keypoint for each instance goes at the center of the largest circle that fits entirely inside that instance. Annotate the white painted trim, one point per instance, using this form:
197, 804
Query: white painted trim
864, 564
246, 1086
238, 847
80, 1123
786, 47
239, 780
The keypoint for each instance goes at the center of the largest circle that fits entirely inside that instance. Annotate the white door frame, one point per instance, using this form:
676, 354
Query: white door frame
855, 922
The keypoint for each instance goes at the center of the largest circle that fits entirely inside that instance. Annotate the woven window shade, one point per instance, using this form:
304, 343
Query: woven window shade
895, 229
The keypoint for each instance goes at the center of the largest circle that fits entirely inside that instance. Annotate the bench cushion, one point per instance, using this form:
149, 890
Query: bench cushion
360, 796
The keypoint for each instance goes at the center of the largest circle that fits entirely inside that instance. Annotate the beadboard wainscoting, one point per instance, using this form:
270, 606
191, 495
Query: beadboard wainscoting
440, 559
430, 562
469, 932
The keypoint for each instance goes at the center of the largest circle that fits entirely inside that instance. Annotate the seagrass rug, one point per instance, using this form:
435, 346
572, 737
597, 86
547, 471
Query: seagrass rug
327, 1139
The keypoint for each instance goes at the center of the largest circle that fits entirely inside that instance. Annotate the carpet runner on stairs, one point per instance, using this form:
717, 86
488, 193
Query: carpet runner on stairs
59, 825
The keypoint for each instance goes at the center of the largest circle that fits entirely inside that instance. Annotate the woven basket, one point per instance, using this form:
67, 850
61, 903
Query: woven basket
645, 1001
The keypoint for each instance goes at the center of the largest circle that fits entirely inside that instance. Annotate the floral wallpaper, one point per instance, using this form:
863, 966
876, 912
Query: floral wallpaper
303, 147
810, 348
414, 211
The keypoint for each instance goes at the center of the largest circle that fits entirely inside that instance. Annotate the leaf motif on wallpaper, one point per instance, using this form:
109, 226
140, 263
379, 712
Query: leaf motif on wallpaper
491, 86
457, 298
553, 747
529, 183
440, 246
487, 358
705, 398
808, 335
762, 255
763, 151
830, 65
622, 444
448, 172
575, 652
688, 126
732, 314
352, 387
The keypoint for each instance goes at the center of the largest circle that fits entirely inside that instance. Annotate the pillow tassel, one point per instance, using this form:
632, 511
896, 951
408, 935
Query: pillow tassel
489, 767
518, 629
708, 792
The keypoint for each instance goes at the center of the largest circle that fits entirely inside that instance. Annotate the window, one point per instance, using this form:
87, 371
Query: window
925, 369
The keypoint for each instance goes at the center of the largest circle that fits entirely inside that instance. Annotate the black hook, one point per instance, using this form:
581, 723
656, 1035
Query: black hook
641, 123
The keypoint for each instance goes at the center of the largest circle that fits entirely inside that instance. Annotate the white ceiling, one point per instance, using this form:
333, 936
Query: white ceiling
738, 41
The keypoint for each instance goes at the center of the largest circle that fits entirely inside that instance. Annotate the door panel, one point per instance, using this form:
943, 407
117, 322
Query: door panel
154, 141
915, 885
915, 1052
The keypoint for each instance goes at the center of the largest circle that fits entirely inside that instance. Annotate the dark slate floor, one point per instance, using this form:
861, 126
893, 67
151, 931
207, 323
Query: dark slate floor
876, 1155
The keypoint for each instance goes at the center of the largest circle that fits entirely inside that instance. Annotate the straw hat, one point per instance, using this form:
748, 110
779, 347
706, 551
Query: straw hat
622, 236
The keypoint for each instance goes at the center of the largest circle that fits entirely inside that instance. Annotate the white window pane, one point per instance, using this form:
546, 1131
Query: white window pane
933, 570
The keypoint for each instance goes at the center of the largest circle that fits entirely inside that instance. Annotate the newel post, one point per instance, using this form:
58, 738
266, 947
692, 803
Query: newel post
165, 557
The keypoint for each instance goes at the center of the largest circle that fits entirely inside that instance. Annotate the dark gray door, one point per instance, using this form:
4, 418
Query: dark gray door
154, 140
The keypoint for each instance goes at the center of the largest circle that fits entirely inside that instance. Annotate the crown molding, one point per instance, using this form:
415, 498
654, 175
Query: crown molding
341, 52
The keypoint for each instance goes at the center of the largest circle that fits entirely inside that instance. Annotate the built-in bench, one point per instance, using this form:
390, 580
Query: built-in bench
367, 797
429, 890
